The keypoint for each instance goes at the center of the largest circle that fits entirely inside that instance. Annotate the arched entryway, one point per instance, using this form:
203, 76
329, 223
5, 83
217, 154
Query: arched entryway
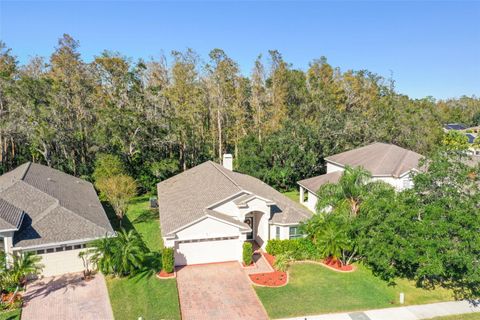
258, 223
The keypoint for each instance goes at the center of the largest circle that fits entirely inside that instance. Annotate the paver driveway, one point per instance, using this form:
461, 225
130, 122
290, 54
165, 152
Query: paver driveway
67, 297
217, 291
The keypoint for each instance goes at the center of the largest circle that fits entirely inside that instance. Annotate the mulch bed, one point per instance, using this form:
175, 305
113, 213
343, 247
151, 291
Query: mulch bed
337, 265
165, 275
270, 279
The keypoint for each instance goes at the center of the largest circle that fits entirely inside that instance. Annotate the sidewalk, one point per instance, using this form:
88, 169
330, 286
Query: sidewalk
416, 312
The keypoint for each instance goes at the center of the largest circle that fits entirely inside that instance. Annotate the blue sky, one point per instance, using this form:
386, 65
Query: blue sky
429, 48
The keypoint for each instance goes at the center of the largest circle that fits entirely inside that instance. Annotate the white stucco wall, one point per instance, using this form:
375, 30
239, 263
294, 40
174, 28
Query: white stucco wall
333, 167
208, 228
208, 251
284, 231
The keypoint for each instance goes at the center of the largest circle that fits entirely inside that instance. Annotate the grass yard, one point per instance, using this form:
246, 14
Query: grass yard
313, 289
294, 195
11, 315
143, 296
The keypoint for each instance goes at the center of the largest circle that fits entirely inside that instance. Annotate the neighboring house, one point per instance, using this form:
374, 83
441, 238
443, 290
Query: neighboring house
386, 162
470, 132
209, 211
50, 213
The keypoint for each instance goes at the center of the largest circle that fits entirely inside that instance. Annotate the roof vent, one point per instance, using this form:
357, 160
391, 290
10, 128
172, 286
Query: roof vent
228, 161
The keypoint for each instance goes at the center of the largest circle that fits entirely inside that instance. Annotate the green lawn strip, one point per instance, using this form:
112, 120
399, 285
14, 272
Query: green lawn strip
294, 195
10, 315
313, 289
149, 298
143, 296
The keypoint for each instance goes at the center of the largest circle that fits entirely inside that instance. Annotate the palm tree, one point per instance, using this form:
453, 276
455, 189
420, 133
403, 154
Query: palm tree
129, 252
346, 195
121, 255
333, 241
25, 264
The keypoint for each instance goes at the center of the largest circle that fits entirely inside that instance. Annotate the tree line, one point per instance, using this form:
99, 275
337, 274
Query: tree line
162, 116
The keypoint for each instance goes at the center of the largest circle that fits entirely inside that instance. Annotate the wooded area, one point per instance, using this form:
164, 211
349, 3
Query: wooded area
166, 115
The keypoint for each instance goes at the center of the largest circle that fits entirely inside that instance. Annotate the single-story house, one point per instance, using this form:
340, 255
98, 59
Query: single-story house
50, 213
209, 211
386, 162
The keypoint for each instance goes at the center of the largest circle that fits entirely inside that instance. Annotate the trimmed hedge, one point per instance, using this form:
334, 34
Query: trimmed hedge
168, 260
247, 253
297, 249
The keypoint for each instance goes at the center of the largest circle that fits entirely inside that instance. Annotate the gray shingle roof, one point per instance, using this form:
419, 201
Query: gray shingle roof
185, 197
10, 216
313, 184
381, 159
58, 207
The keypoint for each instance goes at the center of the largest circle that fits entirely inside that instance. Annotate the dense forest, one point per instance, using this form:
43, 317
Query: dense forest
166, 115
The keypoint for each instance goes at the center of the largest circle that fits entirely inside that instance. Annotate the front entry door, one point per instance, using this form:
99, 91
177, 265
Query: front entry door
249, 222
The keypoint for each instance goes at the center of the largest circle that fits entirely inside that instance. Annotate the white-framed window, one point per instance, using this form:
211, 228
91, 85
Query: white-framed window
294, 233
277, 232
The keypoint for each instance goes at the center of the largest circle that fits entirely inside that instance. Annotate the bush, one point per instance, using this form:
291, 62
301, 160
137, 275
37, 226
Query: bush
297, 249
247, 253
168, 260
282, 262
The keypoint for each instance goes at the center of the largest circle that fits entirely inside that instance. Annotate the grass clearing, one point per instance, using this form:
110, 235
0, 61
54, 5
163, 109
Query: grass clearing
313, 289
143, 295
294, 195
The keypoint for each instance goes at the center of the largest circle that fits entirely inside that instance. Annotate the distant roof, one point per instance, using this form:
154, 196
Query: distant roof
187, 196
455, 126
313, 184
380, 159
57, 207
471, 137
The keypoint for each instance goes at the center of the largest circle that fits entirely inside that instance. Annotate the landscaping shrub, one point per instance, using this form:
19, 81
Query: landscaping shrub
168, 260
247, 253
296, 249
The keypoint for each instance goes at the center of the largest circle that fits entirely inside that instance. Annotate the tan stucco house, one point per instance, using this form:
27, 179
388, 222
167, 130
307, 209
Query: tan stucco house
50, 213
209, 211
386, 162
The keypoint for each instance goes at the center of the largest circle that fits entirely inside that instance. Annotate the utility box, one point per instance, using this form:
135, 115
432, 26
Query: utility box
153, 203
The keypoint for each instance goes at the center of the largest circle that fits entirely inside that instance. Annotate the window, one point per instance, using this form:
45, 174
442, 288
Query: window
59, 249
77, 246
68, 248
40, 251
277, 232
50, 250
294, 233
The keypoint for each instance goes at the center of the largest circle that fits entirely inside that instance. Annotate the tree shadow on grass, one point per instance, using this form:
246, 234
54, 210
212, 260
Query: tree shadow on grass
114, 221
146, 216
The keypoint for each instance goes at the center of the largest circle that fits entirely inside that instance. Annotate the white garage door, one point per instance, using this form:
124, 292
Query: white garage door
57, 263
207, 251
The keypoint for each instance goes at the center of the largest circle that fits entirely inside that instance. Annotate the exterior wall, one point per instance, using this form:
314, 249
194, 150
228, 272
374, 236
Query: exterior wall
208, 228
284, 231
57, 263
262, 229
229, 208
398, 183
333, 168
311, 202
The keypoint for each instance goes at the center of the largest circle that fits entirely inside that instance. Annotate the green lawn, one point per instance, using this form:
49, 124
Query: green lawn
313, 289
294, 195
11, 315
143, 296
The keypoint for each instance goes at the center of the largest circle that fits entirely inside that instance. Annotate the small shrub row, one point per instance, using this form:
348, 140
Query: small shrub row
247, 253
168, 260
296, 249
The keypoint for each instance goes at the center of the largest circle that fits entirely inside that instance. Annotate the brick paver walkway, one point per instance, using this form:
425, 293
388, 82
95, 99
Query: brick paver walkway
217, 291
67, 297
261, 265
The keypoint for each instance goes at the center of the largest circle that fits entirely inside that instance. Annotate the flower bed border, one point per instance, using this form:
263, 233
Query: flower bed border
163, 275
354, 268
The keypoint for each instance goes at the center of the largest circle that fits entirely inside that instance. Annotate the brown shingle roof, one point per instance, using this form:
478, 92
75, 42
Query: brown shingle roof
313, 184
380, 159
185, 197
58, 207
